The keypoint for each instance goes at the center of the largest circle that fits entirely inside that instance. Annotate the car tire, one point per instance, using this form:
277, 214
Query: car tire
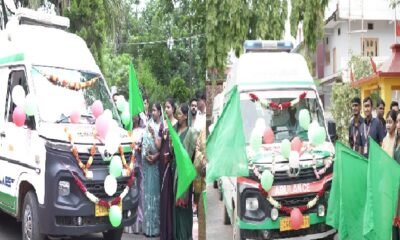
113, 234
30, 218
227, 220
215, 185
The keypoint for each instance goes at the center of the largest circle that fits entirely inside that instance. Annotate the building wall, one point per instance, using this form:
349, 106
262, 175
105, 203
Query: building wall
383, 31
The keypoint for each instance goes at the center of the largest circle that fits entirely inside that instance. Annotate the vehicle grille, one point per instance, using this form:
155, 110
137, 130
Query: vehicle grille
98, 159
97, 188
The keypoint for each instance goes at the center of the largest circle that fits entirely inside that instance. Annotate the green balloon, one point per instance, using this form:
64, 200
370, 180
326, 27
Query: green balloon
304, 119
115, 216
318, 136
126, 118
30, 108
121, 104
116, 166
285, 148
266, 180
255, 141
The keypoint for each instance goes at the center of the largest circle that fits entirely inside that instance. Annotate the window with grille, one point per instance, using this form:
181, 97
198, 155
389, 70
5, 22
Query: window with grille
370, 47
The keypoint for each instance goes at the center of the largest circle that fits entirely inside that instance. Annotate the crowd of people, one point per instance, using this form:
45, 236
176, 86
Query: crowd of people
384, 130
159, 213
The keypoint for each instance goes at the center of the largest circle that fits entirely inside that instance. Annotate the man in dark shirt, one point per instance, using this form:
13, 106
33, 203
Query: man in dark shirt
372, 126
394, 106
380, 112
356, 134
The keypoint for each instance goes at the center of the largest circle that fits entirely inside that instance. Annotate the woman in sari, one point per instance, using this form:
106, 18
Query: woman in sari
151, 175
183, 212
390, 138
166, 175
396, 156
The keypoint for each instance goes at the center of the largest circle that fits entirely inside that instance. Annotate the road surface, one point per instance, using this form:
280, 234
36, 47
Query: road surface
216, 229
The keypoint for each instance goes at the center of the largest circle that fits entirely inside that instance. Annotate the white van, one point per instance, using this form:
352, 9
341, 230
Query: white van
37, 164
278, 76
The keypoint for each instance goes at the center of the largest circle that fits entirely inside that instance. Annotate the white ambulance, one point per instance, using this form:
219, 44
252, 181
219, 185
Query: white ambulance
52, 171
282, 82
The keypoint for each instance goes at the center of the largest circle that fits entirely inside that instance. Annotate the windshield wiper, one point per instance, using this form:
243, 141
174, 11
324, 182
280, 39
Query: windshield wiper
63, 118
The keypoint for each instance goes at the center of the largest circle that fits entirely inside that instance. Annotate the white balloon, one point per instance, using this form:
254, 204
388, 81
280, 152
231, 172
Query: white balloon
30, 105
313, 126
294, 159
107, 113
113, 139
260, 125
110, 185
18, 95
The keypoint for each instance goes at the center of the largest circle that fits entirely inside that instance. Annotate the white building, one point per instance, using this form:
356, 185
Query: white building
363, 27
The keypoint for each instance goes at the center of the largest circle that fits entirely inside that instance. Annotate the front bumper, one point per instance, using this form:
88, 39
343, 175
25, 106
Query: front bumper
59, 215
269, 229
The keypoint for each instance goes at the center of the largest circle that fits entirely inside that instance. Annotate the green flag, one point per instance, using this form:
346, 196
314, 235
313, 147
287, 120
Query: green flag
185, 170
136, 105
226, 145
382, 193
348, 193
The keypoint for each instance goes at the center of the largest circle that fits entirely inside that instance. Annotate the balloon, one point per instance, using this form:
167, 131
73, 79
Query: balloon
260, 124
126, 117
102, 126
30, 106
116, 166
285, 148
75, 116
121, 104
294, 159
297, 144
110, 185
108, 114
97, 108
19, 116
255, 140
304, 119
269, 136
266, 180
314, 125
18, 95
115, 215
112, 140
318, 136
296, 219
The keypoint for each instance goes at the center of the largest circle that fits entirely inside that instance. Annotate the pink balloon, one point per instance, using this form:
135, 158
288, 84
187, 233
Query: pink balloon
297, 144
269, 136
19, 116
102, 126
97, 108
75, 116
296, 219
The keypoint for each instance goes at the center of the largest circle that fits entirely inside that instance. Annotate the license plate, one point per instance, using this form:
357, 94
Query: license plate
286, 226
103, 211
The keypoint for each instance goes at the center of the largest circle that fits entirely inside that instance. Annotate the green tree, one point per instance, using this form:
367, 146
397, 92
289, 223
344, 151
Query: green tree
88, 21
311, 14
360, 65
342, 93
179, 91
230, 22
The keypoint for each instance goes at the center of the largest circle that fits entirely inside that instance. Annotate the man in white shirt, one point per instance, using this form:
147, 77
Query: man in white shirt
200, 121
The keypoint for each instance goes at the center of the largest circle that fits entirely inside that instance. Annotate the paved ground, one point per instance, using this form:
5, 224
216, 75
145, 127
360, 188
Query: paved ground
216, 229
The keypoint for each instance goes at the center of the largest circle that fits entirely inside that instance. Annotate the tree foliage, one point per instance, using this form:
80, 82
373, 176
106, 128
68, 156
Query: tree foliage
342, 93
311, 14
360, 65
230, 22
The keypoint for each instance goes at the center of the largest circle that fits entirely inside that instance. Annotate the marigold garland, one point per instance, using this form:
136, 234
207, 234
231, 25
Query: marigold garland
275, 105
71, 85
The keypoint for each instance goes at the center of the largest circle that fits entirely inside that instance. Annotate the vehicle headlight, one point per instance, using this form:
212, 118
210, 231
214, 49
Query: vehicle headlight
274, 214
321, 210
63, 188
251, 204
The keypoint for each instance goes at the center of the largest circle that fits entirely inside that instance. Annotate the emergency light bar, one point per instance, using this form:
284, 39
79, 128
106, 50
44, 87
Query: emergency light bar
267, 46
31, 17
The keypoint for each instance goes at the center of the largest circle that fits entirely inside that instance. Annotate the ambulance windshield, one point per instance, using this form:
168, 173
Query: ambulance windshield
59, 92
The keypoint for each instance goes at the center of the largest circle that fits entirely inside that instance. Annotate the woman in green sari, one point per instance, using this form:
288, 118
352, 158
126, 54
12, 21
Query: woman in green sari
183, 212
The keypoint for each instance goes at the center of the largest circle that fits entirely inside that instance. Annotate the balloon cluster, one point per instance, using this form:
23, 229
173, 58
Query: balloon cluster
26, 105
108, 131
123, 108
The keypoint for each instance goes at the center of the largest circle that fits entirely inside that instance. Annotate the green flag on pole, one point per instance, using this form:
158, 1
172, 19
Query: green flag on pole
184, 166
136, 105
226, 145
382, 193
348, 193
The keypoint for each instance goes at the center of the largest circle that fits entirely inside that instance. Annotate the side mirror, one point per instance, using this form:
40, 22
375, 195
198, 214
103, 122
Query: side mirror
332, 130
